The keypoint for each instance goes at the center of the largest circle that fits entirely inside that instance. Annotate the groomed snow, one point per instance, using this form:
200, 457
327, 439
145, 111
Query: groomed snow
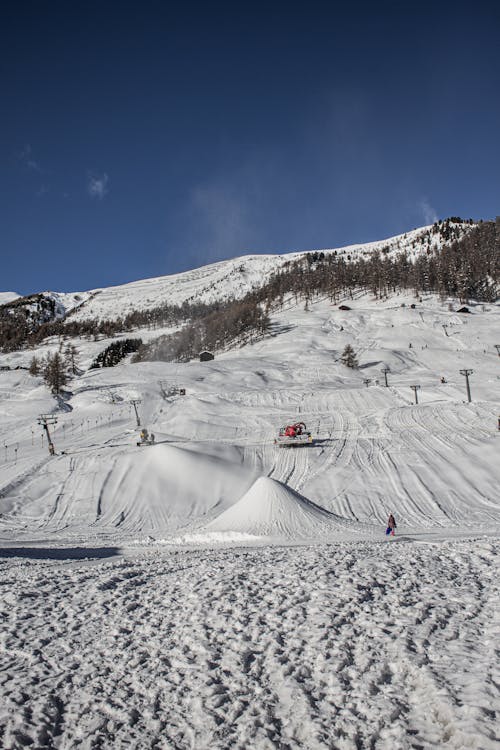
217, 591
433, 464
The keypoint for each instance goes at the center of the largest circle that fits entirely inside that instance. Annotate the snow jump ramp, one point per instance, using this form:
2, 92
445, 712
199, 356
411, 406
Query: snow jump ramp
270, 509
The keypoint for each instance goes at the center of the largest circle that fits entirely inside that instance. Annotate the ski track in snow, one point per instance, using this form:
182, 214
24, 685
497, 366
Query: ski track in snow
355, 642
389, 645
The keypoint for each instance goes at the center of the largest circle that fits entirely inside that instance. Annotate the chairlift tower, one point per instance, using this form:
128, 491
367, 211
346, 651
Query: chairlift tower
135, 402
415, 388
467, 373
44, 420
385, 370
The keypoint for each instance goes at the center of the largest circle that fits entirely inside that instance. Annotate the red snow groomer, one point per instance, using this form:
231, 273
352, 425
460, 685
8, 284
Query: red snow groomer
293, 434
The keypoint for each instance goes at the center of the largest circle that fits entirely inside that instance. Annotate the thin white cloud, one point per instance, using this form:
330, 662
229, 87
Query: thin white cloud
427, 211
26, 158
97, 185
219, 216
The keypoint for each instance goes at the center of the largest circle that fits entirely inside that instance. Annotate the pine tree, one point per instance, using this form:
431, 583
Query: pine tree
34, 368
55, 372
70, 355
349, 358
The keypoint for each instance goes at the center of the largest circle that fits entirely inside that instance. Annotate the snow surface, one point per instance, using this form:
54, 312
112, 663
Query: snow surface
270, 508
218, 591
8, 297
351, 645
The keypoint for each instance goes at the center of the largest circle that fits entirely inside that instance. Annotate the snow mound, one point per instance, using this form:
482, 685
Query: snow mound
153, 490
162, 487
270, 508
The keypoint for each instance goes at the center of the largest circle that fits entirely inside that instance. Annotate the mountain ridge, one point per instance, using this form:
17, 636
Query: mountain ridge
231, 278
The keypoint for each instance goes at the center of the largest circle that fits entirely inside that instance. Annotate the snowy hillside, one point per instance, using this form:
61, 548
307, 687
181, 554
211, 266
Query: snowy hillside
225, 279
229, 278
218, 281
6, 297
217, 590
434, 461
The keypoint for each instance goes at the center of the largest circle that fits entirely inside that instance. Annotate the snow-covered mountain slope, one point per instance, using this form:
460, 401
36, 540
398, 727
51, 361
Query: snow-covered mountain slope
66, 302
232, 278
37, 309
226, 279
6, 297
301, 625
375, 451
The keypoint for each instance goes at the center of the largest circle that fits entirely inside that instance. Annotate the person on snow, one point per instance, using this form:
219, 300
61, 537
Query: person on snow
391, 525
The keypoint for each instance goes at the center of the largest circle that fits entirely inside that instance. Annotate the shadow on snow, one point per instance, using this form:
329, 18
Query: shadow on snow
60, 553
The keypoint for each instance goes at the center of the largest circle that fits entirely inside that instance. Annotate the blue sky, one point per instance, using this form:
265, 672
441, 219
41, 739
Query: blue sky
141, 139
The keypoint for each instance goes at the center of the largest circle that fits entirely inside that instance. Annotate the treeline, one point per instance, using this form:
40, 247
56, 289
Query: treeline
115, 352
19, 328
231, 324
467, 268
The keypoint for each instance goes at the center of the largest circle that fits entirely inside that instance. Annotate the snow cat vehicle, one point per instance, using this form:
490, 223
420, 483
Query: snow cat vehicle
146, 438
294, 434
